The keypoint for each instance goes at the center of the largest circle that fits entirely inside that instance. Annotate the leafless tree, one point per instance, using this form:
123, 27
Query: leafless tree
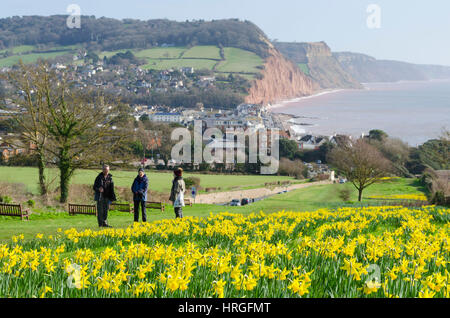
31, 92
361, 163
71, 127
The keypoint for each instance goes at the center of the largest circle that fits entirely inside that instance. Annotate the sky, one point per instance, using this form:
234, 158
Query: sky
414, 31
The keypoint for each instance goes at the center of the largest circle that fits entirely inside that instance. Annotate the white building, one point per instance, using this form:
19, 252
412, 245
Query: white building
167, 117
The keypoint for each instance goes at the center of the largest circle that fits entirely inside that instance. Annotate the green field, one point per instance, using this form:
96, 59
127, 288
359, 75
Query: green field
48, 220
29, 58
199, 57
164, 64
237, 60
156, 53
206, 52
159, 181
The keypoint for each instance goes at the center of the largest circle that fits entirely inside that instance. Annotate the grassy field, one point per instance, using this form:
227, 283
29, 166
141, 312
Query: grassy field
29, 58
164, 64
159, 181
205, 51
156, 53
307, 199
237, 60
198, 57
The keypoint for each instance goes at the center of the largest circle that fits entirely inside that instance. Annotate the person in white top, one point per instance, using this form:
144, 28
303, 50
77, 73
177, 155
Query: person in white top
177, 192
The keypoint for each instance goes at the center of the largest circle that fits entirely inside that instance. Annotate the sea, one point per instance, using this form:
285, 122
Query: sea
414, 111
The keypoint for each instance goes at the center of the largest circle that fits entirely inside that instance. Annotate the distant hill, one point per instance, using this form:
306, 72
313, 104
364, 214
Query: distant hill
223, 47
366, 69
317, 61
107, 34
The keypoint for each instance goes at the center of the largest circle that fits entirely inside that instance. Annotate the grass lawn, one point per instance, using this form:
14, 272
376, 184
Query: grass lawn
159, 181
307, 199
161, 52
204, 51
162, 64
238, 60
29, 58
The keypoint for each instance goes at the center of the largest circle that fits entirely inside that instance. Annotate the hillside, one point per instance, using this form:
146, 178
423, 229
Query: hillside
222, 47
317, 61
367, 69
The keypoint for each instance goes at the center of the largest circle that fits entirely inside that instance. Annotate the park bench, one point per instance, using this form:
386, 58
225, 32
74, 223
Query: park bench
87, 209
14, 210
121, 207
154, 205
188, 202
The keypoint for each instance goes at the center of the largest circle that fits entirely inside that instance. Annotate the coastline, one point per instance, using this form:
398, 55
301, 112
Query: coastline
282, 103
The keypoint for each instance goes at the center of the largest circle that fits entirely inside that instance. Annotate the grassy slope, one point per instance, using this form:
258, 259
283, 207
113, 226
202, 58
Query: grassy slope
29, 58
237, 60
163, 64
307, 199
198, 57
206, 51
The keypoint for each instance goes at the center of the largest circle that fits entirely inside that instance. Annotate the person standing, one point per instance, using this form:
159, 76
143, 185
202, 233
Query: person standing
177, 192
104, 195
139, 189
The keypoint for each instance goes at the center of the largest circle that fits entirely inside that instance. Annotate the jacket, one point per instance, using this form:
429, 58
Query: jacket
140, 185
178, 186
108, 187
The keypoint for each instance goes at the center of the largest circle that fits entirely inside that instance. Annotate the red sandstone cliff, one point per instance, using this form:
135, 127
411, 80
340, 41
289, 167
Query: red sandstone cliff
281, 80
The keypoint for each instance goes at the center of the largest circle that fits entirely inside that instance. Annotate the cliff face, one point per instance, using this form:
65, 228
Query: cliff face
367, 69
317, 61
281, 80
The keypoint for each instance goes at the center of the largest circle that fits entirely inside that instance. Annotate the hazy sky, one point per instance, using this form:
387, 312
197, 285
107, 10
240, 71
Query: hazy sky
410, 30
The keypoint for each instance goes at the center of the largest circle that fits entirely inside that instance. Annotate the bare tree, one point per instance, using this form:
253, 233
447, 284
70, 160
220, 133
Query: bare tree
82, 132
361, 163
31, 88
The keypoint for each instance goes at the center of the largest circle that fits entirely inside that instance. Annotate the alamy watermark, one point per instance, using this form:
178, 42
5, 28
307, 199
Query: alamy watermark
374, 18
74, 279
229, 148
74, 19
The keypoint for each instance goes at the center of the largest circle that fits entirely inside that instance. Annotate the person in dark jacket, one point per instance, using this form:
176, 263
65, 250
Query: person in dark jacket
177, 192
139, 188
104, 195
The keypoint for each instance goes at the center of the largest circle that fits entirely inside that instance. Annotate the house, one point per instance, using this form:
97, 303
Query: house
167, 117
8, 150
187, 70
310, 142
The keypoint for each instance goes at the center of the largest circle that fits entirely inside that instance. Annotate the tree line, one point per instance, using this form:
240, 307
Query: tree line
108, 34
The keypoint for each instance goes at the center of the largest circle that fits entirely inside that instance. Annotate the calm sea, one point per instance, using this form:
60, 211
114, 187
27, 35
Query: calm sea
412, 111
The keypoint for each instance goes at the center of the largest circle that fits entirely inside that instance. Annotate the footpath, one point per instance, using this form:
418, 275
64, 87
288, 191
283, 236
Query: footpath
226, 197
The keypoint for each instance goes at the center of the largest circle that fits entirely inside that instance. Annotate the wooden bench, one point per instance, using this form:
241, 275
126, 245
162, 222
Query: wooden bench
188, 202
121, 207
86, 209
14, 210
155, 205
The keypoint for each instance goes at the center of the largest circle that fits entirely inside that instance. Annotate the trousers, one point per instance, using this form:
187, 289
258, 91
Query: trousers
102, 211
136, 211
178, 212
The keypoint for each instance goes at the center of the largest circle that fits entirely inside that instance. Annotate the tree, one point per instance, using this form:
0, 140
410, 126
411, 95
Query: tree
361, 163
377, 134
72, 127
33, 87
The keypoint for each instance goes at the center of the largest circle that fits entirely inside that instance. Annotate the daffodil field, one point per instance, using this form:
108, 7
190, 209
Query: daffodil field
348, 252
